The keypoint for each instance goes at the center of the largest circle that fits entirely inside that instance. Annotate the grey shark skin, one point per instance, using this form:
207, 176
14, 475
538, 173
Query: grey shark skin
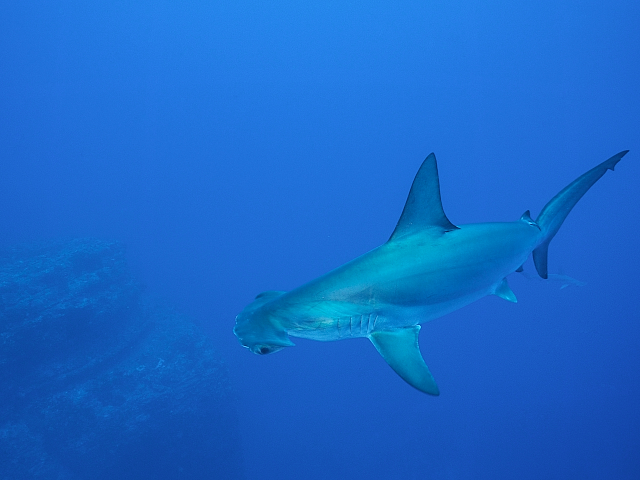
428, 268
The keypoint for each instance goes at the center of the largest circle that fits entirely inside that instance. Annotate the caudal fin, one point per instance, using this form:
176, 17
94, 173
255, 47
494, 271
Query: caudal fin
554, 212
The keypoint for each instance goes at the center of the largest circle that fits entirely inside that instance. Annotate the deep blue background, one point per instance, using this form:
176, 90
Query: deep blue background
237, 147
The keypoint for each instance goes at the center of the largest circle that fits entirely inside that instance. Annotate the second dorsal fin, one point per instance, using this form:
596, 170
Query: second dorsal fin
423, 209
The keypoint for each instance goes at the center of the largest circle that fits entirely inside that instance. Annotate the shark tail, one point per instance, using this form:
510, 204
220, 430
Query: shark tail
555, 212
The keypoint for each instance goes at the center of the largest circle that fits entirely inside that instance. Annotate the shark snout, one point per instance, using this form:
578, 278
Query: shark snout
265, 349
257, 333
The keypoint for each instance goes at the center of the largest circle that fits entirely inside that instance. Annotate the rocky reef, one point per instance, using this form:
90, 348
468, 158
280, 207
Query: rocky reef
99, 382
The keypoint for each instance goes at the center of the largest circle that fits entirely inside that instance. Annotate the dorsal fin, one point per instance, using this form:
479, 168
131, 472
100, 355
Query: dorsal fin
526, 218
423, 209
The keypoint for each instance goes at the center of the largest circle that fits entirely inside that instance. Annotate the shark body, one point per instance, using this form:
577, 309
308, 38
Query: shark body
428, 268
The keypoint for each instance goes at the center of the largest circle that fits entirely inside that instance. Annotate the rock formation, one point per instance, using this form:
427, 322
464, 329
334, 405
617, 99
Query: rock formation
97, 381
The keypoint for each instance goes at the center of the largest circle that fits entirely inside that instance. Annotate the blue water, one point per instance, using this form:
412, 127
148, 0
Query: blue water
237, 147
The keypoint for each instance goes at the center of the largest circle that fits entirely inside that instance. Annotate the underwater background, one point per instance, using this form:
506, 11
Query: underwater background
161, 163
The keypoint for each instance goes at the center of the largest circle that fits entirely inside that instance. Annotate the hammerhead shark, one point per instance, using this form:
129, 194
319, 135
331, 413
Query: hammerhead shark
429, 267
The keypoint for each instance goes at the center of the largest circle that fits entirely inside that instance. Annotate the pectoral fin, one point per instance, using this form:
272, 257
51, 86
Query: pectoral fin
400, 350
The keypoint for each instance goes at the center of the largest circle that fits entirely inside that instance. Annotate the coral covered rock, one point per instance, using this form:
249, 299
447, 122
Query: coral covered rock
99, 382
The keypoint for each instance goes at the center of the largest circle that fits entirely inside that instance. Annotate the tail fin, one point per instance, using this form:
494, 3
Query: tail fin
554, 212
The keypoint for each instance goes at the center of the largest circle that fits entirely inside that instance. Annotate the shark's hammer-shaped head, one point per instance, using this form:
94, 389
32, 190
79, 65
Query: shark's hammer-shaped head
258, 329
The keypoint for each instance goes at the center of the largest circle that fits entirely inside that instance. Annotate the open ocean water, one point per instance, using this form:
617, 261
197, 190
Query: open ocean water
220, 149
